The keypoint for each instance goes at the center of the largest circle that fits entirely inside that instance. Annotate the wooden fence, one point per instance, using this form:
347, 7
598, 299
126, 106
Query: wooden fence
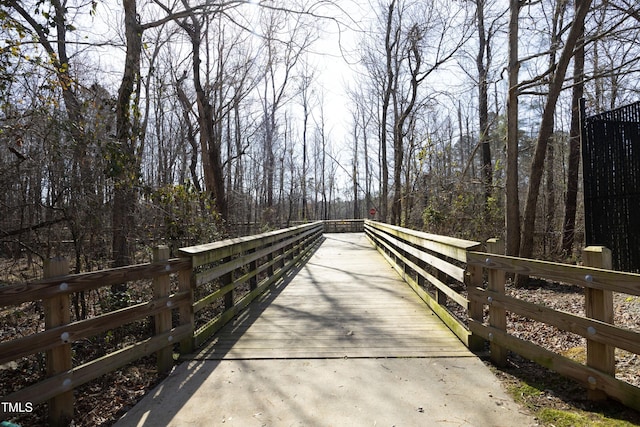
434, 266
195, 295
344, 226
466, 288
254, 262
596, 325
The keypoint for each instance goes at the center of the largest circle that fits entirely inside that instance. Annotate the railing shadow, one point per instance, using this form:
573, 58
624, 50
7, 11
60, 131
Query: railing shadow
174, 392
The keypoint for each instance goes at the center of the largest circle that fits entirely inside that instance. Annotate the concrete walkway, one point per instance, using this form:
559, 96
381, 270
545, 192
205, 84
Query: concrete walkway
345, 343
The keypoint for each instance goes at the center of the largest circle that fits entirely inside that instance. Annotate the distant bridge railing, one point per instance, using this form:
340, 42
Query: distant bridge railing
187, 300
466, 289
344, 226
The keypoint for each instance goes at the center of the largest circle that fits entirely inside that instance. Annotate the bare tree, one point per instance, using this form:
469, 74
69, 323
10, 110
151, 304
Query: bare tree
547, 124
512, 210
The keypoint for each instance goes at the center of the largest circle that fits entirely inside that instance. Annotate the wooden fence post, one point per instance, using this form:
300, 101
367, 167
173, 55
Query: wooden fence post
474, 279
162, 320
185, 284
253, 266
599, 306
57, 312
228, 279
497, 314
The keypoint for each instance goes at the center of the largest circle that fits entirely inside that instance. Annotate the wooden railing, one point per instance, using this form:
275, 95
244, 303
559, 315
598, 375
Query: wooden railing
254, 262
466, 289
596, 325
192, 297
434, 266
344, 226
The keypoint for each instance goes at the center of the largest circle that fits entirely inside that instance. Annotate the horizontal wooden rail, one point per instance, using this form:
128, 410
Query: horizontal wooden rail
344, 226
434, 266
257, 261
12, 295
596, 325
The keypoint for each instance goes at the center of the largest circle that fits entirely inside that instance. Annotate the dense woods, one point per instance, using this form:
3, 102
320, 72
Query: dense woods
129, 124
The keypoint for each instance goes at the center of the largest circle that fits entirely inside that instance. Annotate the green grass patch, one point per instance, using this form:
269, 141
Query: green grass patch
578, 418
532, 397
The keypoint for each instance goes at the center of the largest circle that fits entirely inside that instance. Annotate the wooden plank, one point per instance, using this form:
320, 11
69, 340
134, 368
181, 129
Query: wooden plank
447, 246
393, 244
57, 312
51, 387
162, 319
344, 302
596, 330
212, 252
497, 314
235, 263
12, 295
599, 306
474, 281
591, 378
588, 277
185, 311
75, 331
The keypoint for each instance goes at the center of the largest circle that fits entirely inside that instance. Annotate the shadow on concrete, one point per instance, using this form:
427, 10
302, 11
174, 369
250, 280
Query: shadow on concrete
179, 392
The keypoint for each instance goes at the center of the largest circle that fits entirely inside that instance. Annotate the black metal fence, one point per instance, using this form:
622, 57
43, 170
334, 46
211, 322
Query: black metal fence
611, 158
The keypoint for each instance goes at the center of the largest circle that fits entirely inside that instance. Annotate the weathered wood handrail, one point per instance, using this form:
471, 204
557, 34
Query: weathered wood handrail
344, 226
259, 260
434, 266
596, 326
230, 263
446, 272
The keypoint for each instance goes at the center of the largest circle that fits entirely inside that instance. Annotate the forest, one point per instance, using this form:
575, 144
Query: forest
129, 124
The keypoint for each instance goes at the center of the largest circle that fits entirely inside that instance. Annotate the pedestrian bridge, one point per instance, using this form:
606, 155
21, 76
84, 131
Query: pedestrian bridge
329, 323
343, 342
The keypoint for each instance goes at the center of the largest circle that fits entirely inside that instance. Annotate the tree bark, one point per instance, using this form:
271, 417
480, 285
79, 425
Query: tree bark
483, 103
571, 202
390, 46
546, 128
125, 163
210, 146
512, 191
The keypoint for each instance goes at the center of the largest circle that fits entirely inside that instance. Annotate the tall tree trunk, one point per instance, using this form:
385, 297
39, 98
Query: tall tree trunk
483, 103
551, 207
354, 173
210, 146
546, 128
191, 132
127, 167
571, 202
512, 196
390, 46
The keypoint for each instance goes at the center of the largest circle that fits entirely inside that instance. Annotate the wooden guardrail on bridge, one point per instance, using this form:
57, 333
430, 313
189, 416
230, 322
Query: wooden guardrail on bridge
466, 288
596, 325
188, 299
344, 226
434, 266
